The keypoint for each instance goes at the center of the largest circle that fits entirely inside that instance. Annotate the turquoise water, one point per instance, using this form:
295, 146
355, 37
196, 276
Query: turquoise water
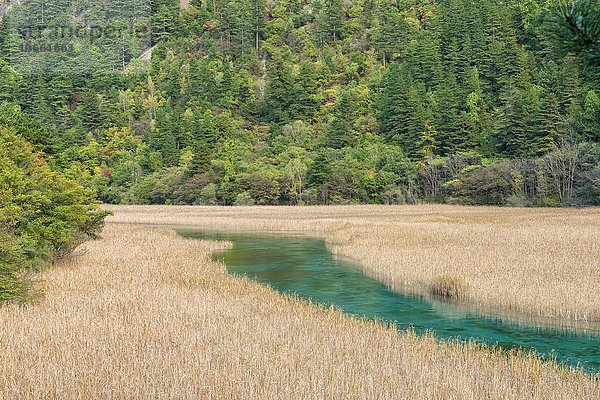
306, 267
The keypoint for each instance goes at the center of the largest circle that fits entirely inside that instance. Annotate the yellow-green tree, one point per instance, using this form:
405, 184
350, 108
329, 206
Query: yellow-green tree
43, 215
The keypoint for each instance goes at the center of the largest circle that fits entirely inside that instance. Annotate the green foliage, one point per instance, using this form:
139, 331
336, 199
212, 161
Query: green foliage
311, 102
244, 199
13, 285
340, 131
491, 185
43, 214
576, 28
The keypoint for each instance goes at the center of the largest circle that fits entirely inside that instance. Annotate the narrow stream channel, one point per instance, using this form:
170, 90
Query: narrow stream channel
306, 267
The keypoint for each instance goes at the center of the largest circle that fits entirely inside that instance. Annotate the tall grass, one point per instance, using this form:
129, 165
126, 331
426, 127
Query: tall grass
144, 313
534, 262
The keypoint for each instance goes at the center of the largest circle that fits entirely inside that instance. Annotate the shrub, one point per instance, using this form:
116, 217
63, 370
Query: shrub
395, 195
451, 287
43, 214
208, 195
262, 188
13, 285
588, 187
191, 191
492, 185
244, 199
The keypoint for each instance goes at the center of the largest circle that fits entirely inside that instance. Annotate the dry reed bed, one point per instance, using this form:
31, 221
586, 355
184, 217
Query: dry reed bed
144, 313
534, 262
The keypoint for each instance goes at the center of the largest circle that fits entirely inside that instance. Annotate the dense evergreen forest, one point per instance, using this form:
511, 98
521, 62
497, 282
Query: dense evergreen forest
312, 101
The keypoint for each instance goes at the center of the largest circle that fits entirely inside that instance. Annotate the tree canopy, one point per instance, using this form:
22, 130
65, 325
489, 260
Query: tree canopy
313, 101
43, 213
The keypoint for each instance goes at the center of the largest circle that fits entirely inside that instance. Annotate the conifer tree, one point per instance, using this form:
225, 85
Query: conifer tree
448, 99
279, 90
576, 28
258, 21
331, 22
226, 86
427, 142
9, 81
163, 138
393, 32
475, 119
551, 123
420, 131
571, 95
320, 169
591, 116
305, 91
205, 144
163, 19
392, 110
340, 132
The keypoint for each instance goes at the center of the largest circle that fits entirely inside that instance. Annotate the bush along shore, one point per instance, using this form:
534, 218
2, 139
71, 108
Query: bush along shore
44, 215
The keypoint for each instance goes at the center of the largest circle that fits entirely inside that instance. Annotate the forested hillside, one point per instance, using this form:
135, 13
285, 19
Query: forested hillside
313, 101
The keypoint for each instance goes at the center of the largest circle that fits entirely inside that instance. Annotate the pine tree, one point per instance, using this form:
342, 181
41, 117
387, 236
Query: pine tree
551, 123
60, 89
475, 42
9, 82
455, 36
419, 121
513, 122
331, 21
34, 96
570, 100
576, 29
591, 117
424, 58
448, 99
340, 132
305, 92
162, 139
163, 20
205, 144
393, 32
500, 56
392, 113
427, 143
258, 21
319, 172
278, 96
231, 23
226, 86
203, 84
475, 118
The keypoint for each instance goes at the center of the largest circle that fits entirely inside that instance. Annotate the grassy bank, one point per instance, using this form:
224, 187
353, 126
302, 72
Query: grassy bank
143, 313
532, 262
